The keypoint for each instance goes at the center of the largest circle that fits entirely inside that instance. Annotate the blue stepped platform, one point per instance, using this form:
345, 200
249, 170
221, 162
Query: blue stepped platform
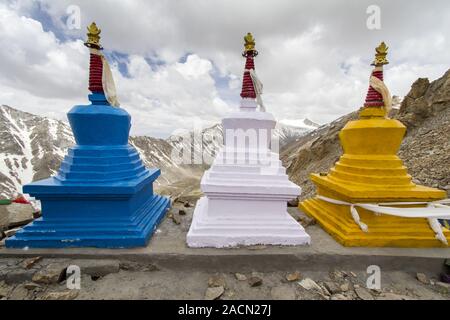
102, 195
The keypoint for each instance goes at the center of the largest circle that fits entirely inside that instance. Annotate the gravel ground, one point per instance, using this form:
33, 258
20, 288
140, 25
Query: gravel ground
111, 279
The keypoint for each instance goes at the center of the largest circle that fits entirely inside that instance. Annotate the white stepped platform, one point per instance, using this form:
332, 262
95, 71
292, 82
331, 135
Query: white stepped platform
246, 229
246, 193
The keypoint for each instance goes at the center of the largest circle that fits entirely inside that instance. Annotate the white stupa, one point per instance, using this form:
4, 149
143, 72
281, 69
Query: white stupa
247, 189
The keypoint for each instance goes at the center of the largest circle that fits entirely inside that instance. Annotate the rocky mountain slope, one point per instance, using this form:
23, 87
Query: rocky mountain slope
32, 148
425, 150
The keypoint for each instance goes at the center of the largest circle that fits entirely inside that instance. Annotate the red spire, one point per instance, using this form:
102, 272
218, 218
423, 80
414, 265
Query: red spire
374, 98
248, 90
96, 63
95, 74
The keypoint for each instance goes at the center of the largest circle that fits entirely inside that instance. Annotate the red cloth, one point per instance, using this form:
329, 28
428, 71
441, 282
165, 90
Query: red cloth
248, 90
21, 200
374, 98
95, 74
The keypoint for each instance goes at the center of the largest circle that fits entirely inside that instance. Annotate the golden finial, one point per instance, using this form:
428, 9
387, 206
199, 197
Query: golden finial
249, 45
93, 37
380, 56
249, 42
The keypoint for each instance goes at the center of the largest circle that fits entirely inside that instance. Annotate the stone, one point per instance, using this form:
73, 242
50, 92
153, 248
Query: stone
176, 218
422, 278
309, 284
97, 268
295, 276
353, 274
337, 275
293, 203
4, 290
62, 295
306, 221
257, 274
17, 276
324, 296
345, 287
216, 281
418, 88
339, 296
230, 294
9, 233
324, 290
332, 287
20, 214
283, 293
29, 263
363, 294
255, 281
240, 276
392, 296
51, 274
18, 293
32, 286
214, 293
4, 218
15, 214
443, 287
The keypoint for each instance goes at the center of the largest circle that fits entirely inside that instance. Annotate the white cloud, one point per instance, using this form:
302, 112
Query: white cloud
44, 76
314, 56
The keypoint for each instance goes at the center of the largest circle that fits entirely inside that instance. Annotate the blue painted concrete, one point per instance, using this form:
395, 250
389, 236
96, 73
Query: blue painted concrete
102, 195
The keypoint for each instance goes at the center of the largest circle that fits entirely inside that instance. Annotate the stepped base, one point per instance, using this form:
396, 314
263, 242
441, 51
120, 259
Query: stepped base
243, 227
108, 225
384, 230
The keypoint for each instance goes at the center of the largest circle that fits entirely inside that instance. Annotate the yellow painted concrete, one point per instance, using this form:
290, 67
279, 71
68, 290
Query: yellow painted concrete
370, 171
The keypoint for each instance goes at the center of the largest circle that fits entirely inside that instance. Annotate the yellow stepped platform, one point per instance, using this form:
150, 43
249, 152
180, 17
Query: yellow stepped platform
370, 171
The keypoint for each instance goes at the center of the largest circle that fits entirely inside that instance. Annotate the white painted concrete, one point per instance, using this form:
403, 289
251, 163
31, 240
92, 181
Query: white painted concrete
246, 190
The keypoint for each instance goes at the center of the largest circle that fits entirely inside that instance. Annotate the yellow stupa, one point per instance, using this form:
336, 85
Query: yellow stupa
370, 171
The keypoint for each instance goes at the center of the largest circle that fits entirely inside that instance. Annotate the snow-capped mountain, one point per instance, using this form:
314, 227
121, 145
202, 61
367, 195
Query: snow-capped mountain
32, 148
208, 141
290, 130
305, 124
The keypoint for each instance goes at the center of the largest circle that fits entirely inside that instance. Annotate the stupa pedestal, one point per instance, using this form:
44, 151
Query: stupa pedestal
247, 189
246, 193
102, 195
371, 172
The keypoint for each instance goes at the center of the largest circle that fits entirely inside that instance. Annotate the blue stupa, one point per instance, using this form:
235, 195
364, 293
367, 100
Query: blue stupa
103, 194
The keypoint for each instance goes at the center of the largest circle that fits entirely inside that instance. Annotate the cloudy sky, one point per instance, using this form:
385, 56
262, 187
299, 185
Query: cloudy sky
178, 63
